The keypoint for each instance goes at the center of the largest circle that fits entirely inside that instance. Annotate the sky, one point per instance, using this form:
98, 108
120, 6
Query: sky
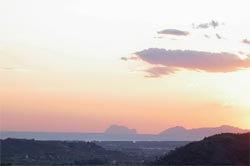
81, 66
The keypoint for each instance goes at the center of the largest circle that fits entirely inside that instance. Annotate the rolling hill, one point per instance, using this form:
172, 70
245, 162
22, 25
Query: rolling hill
221, 149
34, 152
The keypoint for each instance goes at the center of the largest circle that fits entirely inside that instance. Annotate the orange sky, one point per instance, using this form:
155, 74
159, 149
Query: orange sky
62, 71
43, 106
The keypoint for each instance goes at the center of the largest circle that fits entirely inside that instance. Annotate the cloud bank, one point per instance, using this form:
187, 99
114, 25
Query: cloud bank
175, 32
172, 60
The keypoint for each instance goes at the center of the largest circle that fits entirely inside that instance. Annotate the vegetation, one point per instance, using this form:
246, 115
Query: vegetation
220, 149
33, 152
5, 164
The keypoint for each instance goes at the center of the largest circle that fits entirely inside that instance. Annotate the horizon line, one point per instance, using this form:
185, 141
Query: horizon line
103, 132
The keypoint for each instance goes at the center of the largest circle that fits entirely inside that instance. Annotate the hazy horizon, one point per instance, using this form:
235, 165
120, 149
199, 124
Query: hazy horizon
122, 133
105, 129
81, 66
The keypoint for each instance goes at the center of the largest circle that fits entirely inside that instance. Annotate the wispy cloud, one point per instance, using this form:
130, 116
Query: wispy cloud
206, 36
159, 71
175, 32
129, 58
218, 36
203, 26
173, 60
213, 24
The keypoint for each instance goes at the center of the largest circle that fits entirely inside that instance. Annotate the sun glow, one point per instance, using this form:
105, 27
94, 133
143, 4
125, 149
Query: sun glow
237, 90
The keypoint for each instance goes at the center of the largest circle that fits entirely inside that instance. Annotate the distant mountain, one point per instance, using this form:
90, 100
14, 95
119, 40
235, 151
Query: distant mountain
221, 149
121, 130
34, 152
122, 133
179, 132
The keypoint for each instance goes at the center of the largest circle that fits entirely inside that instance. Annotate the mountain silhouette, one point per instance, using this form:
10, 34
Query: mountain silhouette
117, 129
123, 133
179, 132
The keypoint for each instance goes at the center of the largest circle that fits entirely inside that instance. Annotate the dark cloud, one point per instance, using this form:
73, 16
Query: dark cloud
174, 60
173, 32
212, 23
246, 41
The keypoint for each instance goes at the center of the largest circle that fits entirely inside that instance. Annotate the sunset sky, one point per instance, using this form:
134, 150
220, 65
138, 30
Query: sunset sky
83, 65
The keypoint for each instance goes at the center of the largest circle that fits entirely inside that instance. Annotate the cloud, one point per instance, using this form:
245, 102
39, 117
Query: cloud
246, 41
175, 32
157, 71
158, 37
212, 23
173, 60
206, 36
129, 58
218, 36
203, 26
124, 58
241, 52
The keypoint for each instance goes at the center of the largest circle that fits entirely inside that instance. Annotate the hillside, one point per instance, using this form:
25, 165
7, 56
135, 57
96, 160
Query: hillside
221, 149
33, 152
